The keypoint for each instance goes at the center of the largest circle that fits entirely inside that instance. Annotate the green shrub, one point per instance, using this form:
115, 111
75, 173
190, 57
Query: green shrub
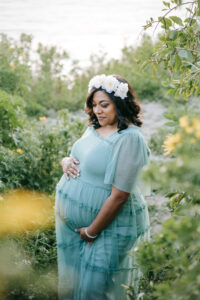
31, 150
43, 84
12, 117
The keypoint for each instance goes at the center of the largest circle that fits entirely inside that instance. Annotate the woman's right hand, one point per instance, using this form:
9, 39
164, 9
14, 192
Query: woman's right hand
69, 167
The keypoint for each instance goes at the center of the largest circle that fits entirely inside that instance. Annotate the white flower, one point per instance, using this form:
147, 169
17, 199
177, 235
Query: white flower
122, 90
110, 84
97, 81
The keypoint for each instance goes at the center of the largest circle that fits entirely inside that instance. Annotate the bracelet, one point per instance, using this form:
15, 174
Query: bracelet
90, 236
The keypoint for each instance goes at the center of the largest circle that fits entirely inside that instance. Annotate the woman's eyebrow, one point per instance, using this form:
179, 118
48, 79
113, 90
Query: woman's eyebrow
101, 101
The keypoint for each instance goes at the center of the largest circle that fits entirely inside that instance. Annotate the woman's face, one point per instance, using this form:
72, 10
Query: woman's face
104, 109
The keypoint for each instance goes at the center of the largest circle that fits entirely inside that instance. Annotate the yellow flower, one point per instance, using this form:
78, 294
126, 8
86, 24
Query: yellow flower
183, 122
189, 129
192, 140
22, 54
196, 126
20, 151
13, 67
170, 143
42, 118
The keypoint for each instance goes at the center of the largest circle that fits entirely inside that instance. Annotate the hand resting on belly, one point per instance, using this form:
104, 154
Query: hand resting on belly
69, 167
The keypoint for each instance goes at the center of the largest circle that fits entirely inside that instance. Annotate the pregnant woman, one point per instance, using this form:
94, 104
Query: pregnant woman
99, 209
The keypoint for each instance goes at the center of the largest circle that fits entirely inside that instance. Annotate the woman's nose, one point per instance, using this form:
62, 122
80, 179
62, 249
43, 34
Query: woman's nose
97, 109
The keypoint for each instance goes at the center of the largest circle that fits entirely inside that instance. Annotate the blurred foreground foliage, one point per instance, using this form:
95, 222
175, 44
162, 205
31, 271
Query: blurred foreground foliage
28, 268
170, 261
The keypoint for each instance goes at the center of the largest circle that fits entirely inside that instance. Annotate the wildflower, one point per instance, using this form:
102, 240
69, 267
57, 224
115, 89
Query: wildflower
20, 151
196, 126
171, 142
42, 118
183, 122
22, 54
13, 67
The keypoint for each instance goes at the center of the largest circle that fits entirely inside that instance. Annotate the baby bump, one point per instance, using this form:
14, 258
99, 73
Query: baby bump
78, 202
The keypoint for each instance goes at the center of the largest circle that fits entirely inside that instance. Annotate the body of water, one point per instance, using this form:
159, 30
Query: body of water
82, 27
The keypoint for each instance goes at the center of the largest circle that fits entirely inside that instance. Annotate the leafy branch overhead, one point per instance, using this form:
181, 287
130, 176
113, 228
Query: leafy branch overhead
179, 48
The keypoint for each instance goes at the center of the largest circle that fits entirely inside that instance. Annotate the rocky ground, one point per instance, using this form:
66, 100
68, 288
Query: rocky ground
152, 120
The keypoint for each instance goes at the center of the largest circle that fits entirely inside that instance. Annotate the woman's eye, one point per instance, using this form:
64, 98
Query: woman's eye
103, 105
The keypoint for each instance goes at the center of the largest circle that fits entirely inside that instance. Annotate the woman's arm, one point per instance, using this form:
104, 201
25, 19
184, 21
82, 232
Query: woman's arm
107, 213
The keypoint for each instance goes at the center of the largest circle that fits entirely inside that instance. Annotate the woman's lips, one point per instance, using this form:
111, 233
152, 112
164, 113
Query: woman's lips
101, 118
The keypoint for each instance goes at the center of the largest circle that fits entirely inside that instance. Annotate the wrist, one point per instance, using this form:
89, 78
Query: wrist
91, 231
64, 160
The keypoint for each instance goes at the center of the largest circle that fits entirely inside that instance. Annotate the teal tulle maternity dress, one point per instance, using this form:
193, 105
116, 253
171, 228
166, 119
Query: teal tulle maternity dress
96, 272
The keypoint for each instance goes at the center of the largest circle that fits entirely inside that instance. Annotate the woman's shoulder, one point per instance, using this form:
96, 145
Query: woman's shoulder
131, 132
131, 136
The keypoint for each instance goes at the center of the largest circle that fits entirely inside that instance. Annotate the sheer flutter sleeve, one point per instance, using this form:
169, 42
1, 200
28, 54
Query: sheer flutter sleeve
127, 158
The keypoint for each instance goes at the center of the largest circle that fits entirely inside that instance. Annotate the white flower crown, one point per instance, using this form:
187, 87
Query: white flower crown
110, 84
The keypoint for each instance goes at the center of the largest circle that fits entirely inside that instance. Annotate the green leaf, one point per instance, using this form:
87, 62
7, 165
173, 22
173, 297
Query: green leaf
155, 65
185, 54
169, 116
177, 63
173, 34
169, 195
171, 92
176, 20
188, 9
190, 20
145, 63
166, 4
171, 124
165, 21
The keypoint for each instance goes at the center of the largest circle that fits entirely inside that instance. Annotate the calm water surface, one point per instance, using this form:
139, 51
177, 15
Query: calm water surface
82, 27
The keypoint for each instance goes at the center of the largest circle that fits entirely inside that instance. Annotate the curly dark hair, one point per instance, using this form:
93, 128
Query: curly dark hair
127, 109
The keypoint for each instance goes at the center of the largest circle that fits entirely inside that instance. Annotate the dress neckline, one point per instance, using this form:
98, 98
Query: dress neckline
106, 138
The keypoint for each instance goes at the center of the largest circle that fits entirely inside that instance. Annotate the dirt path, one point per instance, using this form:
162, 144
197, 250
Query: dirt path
157, 203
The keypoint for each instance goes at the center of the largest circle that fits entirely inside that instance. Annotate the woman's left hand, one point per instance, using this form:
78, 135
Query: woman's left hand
84, 236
